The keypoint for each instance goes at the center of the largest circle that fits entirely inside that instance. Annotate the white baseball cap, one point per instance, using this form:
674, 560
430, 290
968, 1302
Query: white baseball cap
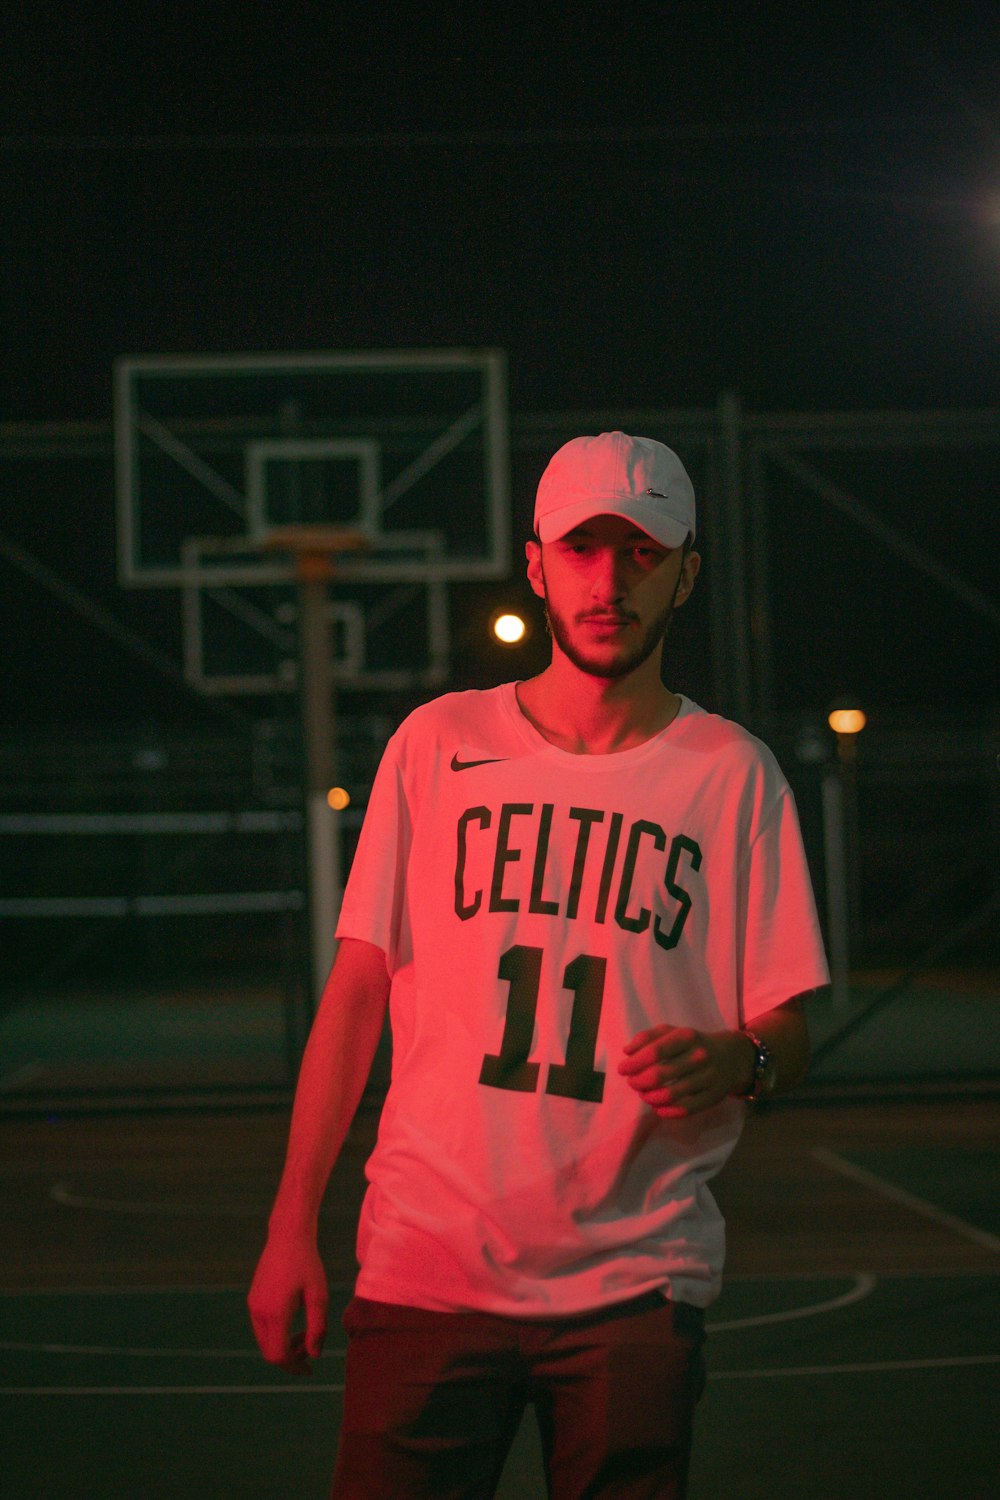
615, 475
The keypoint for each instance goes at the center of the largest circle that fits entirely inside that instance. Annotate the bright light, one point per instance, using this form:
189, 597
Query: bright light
510, 629
338, 798
847, 720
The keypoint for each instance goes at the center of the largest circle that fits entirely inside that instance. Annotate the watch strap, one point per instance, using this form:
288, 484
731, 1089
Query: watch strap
761, 1067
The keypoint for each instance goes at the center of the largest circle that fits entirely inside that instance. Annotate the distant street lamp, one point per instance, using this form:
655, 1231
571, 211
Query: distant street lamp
839, 794
847, 721
508, 628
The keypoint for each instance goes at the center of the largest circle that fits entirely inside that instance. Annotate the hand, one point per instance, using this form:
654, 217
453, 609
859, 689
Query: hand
289, 1276
678, 1071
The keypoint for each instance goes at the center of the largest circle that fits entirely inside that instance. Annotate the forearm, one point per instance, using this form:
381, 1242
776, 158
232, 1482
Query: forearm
784, 1032
335, 1068
679, 1071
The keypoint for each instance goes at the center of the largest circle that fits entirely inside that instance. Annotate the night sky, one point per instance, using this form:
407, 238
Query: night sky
644, 206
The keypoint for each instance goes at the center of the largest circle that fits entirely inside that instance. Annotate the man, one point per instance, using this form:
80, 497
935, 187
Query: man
586, 901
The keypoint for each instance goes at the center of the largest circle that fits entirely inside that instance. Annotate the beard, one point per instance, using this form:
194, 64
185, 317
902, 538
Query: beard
617, 666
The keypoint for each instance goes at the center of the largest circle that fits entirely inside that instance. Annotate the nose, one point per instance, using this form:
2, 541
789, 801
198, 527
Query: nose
607, 582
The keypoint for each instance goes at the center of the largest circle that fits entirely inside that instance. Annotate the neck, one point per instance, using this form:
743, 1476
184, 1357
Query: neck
589, 715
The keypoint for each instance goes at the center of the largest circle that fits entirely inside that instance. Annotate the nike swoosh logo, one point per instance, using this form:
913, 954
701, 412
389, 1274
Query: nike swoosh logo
466, 765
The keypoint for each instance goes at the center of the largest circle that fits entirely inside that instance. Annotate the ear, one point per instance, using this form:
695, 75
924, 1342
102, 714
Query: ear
533, 552
689, 572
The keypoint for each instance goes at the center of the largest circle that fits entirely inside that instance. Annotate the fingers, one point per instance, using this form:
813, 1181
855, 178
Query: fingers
692, 1105
279, 1345
663, 1055
298, 1361
316, 1309
672, 1069
272, 1331
658, 1092
289, 1280
681, 1097
654, 1074
288, 1351
664, 1041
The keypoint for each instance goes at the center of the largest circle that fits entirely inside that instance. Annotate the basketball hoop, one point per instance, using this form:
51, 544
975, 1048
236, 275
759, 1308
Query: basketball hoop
313, 548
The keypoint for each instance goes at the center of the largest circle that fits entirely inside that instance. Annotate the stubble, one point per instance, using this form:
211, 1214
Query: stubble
617, 666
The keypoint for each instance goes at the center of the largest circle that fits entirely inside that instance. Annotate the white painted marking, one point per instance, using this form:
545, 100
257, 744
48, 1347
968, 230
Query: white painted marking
214, 904
864, 1285
900, 1195
880, 1367
307, 1388
238, 1290
188, 822
60, 1192
18, 1346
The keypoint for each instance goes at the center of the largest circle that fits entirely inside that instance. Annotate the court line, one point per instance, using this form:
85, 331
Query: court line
19, 1346
239, 1289
227, 1289
864, 1285
307, 1388
895, 1194
60, 1192
879, 1367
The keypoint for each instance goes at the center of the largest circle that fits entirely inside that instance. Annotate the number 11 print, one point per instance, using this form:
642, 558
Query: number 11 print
576, 1078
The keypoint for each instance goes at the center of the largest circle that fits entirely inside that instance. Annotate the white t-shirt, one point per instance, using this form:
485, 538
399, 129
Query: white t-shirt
538, 909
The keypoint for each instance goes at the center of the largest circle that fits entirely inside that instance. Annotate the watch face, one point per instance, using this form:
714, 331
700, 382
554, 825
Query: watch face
762, 1068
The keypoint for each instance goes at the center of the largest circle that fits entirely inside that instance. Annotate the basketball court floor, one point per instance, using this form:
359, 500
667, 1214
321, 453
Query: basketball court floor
854, 1350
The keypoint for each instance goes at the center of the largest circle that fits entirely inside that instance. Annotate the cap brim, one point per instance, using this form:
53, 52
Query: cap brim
666, 530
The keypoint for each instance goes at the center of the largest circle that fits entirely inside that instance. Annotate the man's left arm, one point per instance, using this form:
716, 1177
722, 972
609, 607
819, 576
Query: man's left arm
679, 1071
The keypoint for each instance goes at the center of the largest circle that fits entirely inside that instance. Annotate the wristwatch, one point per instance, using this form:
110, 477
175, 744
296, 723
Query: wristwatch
763, 1069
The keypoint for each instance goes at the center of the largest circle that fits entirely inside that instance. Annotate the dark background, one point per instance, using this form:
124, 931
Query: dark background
644, 207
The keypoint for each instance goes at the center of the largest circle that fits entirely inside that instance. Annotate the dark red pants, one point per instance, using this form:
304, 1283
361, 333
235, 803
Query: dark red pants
433, 1401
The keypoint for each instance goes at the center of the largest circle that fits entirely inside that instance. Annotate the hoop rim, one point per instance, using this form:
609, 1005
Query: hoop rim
312, 538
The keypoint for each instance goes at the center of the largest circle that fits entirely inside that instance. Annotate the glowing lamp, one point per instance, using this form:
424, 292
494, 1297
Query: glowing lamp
338, 798
847, 720
509, 629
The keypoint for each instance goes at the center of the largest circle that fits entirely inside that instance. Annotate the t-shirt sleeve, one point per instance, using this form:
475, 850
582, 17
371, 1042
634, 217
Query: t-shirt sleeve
373, 905
782, 947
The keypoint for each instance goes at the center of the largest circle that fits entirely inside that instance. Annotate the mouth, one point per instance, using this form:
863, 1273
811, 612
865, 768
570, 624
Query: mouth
608, 622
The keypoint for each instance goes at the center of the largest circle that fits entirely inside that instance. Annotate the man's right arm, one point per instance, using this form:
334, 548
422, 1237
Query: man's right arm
335, 1068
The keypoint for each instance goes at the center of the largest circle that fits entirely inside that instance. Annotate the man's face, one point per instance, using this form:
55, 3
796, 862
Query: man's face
610, 591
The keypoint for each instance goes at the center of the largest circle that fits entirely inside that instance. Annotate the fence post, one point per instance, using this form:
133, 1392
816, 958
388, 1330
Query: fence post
731, 534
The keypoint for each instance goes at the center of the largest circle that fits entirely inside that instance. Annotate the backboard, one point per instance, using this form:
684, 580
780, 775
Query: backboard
240, 637
214, 452
397, 443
